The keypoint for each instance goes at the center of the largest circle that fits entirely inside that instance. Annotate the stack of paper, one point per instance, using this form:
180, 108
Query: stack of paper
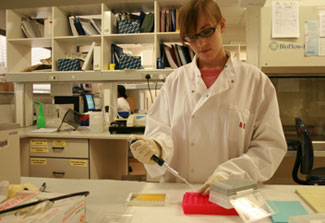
314, 197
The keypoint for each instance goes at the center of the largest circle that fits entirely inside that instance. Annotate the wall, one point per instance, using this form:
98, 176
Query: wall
234, 33
7, 107
271, 53
3, 19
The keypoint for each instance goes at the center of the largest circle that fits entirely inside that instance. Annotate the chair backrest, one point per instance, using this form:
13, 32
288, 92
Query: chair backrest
307, 151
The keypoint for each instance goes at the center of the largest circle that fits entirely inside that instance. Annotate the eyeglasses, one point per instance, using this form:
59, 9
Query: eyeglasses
203, 34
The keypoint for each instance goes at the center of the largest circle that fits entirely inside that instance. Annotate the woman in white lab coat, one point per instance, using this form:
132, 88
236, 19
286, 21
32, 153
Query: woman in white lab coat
215, 118
122, 103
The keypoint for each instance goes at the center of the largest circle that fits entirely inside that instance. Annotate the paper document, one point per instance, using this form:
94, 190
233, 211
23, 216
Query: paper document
45, 130
311, 38
285, 19
322, 46
322, 23
314, 197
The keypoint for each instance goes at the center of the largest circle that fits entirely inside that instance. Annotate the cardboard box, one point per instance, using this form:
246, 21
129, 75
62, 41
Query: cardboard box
6, 86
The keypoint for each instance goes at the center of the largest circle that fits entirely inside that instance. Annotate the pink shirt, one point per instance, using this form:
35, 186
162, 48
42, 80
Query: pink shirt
210, 76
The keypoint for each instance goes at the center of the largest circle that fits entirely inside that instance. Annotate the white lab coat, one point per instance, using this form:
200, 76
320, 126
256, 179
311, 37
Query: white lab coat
233, 127
122, 105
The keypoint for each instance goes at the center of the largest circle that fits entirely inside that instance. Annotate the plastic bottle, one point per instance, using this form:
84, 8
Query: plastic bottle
40, 121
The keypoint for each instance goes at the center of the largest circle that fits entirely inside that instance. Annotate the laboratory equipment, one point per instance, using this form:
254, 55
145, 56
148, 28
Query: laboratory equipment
311, 218
162, 162
221, 191
90, 102
243, 195
76, 100
196, 203
52, 199
72, 118
146, 199
96, 121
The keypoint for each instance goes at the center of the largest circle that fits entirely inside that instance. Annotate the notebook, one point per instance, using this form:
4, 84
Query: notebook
314, 197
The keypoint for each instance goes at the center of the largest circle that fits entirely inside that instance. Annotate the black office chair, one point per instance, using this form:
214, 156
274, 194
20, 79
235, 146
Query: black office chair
305, 159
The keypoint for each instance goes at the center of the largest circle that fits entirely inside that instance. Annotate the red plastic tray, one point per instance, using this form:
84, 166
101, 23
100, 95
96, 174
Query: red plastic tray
195, 203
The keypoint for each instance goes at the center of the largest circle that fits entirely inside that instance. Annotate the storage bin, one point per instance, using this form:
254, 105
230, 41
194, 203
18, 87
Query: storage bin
130, 62
128, 26
69, 64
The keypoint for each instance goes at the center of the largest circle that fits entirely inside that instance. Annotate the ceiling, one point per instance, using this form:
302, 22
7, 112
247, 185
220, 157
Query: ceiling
233, 14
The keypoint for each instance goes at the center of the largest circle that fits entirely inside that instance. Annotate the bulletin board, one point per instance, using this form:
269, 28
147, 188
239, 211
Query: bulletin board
288, 52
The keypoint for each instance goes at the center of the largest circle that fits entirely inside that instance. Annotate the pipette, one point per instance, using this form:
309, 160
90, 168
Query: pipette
162, 162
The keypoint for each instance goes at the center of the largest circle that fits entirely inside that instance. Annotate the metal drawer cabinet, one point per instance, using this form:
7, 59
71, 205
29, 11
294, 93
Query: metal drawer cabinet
48, 147
59, 167
59, 158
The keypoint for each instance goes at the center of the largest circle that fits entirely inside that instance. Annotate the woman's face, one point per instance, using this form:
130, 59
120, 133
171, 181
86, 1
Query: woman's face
209, 49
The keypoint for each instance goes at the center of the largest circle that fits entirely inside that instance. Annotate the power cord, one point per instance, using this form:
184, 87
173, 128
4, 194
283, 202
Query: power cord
148, 82
156, 86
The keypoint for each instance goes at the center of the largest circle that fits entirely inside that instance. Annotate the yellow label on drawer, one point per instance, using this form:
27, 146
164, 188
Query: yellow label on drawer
39, 149
38, 142
38, 161
59, 143
80, 163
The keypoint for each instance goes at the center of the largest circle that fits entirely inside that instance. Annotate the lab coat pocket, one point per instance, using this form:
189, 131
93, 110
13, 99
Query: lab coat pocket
237, 130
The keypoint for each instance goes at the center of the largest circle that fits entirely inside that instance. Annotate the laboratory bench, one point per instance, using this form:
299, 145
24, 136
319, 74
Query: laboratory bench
106, 156
106, 201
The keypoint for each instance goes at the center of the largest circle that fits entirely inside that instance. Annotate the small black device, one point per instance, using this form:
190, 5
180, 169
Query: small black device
76, 100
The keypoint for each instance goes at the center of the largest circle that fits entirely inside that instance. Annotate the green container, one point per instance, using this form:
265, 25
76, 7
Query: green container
40, 121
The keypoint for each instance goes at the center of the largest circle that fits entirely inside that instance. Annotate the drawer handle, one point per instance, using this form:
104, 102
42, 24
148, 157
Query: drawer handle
58, 148
3, 143
59, 174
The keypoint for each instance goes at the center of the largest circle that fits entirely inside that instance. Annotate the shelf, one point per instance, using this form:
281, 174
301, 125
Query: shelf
78, 40
294, 71
81, 9
34, 12
32, 42
133, 38
88, 76
168, 36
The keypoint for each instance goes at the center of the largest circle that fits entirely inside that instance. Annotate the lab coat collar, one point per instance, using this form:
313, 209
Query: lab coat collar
226, 79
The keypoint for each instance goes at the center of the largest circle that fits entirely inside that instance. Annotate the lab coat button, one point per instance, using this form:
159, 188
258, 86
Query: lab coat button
232, 81
193, 91
192, 170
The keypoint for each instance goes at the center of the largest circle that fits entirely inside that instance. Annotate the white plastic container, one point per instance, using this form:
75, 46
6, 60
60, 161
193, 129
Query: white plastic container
310, 218
221, 191
243, 195
96, 122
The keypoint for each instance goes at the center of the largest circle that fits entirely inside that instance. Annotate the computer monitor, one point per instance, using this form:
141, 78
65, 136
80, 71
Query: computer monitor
90, 102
